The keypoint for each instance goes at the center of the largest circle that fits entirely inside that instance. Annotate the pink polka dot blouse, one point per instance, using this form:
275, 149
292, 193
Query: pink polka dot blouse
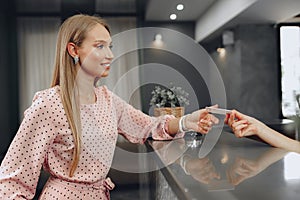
44, 139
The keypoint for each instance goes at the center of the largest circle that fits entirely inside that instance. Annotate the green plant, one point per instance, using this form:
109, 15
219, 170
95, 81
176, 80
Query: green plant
169, 97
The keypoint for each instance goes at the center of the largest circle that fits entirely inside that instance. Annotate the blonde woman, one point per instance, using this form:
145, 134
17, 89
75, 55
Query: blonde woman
71, 128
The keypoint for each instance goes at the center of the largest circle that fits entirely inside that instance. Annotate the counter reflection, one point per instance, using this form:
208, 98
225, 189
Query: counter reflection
220, 170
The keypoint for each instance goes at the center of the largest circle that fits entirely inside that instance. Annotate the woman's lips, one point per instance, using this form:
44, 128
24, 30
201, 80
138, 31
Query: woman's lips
106, 66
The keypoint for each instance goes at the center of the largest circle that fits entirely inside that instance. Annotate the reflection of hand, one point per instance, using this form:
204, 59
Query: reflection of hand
201, 121
242, 169
201, 170
169, 151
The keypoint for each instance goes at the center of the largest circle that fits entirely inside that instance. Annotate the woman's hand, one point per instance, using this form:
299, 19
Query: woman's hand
200, 121
243, 125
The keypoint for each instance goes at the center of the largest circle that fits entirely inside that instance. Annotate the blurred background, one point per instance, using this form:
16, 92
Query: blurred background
254, 44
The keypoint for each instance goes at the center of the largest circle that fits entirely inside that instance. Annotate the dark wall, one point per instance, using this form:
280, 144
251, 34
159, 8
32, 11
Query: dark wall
250, 70
8, 76
176, 62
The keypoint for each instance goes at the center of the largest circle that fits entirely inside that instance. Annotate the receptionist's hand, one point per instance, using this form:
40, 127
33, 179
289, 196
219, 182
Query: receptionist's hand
243, 125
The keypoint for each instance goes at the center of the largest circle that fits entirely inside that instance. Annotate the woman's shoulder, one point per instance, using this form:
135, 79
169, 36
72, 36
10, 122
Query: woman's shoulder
47, 100
49, 94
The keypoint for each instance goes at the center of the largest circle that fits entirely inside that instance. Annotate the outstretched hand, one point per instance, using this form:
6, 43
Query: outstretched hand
243, 125
201, 121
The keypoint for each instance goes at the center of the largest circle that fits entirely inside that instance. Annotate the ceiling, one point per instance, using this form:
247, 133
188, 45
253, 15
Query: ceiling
260, 11
210, 16
159, 10
214, 16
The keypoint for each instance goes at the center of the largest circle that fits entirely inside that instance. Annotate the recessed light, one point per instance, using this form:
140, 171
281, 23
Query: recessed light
158, 37
180, 6
173, 16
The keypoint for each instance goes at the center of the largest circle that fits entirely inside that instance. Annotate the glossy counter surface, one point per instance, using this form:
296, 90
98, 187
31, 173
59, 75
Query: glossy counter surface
236, 168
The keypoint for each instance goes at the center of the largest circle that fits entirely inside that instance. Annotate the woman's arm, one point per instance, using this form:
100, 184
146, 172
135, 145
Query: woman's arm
243, 125
20, 168
136, 126
277, 139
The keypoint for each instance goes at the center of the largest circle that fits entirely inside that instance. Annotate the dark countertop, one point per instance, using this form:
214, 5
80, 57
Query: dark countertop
236, 168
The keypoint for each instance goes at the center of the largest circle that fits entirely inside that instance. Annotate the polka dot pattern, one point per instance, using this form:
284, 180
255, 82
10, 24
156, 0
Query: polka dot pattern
44, 139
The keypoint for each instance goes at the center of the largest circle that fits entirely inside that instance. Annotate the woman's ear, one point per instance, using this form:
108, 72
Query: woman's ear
72, 49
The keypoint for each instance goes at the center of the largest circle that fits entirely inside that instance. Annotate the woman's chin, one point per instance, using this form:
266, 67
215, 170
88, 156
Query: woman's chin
105, 74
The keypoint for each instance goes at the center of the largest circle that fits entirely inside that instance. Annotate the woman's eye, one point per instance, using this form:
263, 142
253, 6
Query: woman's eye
101, 46
111, 46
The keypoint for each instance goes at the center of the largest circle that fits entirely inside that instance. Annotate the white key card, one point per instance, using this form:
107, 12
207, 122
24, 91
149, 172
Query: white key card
218, 110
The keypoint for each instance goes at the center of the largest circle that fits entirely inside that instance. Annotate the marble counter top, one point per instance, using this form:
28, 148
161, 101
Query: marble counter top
236, 168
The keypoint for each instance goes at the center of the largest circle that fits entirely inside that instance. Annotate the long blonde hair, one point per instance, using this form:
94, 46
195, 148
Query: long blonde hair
74, 30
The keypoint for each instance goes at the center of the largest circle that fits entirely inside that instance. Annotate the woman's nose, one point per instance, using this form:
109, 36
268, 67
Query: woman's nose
109, 54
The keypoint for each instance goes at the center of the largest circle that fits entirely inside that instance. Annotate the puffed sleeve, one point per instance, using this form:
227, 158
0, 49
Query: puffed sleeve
20, 168
136, 126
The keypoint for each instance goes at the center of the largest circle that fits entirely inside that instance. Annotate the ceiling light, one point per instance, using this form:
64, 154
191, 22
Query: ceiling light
180, 6
158, 42
173, 16
158, 37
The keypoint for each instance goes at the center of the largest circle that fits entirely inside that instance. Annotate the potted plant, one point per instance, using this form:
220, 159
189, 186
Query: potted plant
169, 101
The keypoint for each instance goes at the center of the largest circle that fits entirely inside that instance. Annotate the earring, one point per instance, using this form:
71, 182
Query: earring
76, 60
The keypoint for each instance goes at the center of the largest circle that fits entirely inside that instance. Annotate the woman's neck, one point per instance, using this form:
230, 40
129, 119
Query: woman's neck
86, 90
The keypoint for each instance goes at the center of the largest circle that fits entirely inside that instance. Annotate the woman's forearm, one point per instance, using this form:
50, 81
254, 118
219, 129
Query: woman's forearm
277, 139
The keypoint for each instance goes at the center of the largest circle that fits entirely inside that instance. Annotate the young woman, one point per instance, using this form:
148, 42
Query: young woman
243, 125
71, 128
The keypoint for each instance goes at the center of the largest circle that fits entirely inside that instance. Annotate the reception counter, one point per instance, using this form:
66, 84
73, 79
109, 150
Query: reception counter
236, 168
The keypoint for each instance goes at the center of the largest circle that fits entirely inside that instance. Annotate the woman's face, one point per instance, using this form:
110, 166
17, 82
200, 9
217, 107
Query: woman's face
95, 52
